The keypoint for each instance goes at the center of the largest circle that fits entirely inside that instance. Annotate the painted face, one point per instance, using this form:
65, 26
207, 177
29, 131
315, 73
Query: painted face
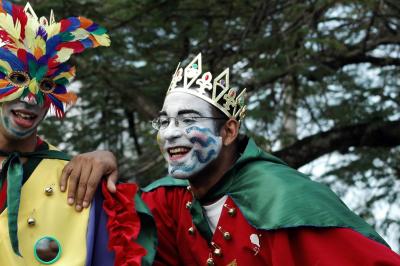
190, 146
20, 118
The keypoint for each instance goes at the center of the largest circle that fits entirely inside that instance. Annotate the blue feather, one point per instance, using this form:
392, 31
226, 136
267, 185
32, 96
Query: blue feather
61, 68
92, 27
56, 102
42, 32
6, 89
87, 43
75, 23
7, 6
51, 45
11, 59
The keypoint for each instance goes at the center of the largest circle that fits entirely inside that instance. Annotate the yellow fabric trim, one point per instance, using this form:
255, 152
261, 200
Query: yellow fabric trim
54, 217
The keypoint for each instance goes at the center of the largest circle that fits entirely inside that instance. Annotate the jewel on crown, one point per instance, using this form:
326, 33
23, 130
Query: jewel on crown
217, 92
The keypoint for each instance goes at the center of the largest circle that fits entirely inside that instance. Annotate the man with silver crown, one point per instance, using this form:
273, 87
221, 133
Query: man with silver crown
227, 202
37, 226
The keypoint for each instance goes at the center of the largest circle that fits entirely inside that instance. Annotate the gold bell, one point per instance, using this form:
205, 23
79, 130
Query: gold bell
31, 221
188, 205
217, 252
210, 262
227, 236
48, 191
232, 212
191, 230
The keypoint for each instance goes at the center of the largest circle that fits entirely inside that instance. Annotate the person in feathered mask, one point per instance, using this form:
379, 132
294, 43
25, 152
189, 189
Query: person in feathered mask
36, 224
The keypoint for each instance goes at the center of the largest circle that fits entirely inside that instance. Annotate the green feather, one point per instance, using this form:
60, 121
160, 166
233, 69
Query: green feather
32, 68
62, 81
40, 72
99, 31
67, 36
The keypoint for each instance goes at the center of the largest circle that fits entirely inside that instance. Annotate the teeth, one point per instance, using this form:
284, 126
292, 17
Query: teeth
178, 150
24, 116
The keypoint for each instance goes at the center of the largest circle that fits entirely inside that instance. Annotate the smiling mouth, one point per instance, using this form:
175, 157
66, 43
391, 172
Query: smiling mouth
23, 118
24, 115
178, 152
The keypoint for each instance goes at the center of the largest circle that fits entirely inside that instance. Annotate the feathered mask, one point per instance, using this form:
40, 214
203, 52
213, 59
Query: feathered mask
34, 52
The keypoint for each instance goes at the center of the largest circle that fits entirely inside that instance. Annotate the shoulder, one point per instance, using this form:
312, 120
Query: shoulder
167, 181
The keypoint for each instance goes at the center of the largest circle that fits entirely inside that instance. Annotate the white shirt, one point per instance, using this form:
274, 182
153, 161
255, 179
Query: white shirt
213, 212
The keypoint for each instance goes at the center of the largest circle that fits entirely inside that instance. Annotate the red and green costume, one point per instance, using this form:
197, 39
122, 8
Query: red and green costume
273, 215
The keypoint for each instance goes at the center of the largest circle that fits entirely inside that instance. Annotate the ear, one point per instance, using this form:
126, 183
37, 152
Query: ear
229, 132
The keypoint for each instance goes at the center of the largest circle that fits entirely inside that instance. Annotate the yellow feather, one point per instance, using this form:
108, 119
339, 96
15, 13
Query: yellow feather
68, 75
6, 66
39, 43
53, 29
103, 40
7, 23
80, 34
64, 54
13, 96
30, 34
33, 86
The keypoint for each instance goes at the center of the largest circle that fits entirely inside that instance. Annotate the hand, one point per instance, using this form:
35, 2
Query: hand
84, 173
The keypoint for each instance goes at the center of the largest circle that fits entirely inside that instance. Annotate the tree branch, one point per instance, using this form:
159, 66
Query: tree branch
375, 134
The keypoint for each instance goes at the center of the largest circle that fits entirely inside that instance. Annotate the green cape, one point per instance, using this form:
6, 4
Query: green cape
271, 195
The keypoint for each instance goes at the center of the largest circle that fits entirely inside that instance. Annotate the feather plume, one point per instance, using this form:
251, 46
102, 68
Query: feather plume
19, 15
85, 22
13, 94
33, 86
64, 54
11, 59
53, 29
103, 40
7, 23
5, 67
4, 83
68, 98
80, 34
7, 90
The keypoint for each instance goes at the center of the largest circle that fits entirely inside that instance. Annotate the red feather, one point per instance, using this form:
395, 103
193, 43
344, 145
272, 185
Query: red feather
19, 14
65, 23
77, 46
21, 54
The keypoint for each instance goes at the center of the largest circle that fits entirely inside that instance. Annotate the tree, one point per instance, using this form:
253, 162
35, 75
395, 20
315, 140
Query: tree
321, 78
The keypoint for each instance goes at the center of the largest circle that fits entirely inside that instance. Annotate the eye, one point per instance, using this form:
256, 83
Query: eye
164, 121
18, 78
47, 85
187, 121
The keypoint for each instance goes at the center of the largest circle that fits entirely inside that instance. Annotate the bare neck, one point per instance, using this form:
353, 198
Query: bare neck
21, 145
205, 180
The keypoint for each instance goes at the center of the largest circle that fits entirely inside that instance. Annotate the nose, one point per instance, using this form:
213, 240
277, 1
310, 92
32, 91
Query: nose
173, 131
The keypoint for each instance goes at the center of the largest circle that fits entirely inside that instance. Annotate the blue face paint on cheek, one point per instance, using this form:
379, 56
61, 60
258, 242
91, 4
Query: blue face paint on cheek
205, 148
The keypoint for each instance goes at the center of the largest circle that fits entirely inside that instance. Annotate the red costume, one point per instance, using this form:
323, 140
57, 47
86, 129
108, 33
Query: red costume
323, 233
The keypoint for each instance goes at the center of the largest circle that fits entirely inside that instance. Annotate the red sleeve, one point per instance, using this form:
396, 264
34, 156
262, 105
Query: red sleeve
167, 251
328, 247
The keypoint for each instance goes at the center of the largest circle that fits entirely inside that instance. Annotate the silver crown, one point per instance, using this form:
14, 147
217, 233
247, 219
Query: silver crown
217, 92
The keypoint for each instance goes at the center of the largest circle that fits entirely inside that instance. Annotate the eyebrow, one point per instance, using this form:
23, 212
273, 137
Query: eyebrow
188, 111
181, 112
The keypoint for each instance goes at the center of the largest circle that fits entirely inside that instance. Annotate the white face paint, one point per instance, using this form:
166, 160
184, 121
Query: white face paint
20, 118
188, 148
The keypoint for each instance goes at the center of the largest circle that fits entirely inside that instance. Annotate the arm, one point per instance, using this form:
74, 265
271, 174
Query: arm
159, 205
83, 174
